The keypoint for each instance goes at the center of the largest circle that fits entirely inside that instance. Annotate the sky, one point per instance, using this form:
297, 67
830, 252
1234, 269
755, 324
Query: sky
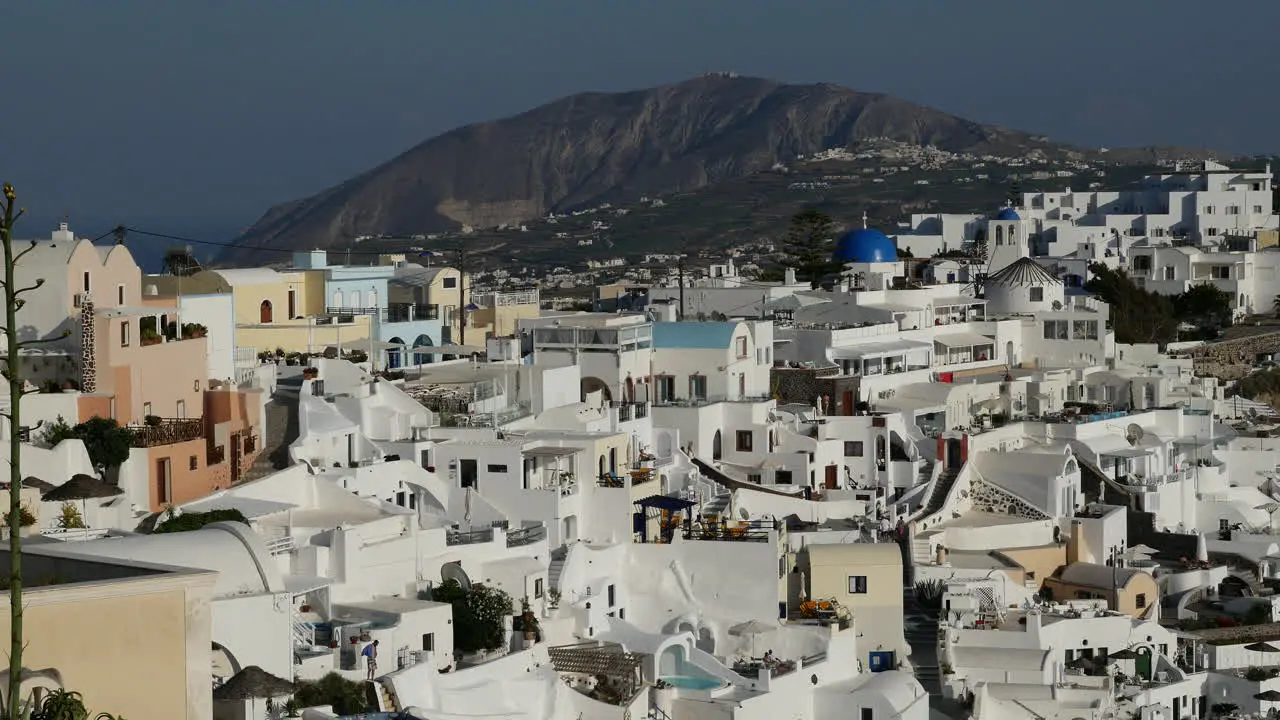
192, 118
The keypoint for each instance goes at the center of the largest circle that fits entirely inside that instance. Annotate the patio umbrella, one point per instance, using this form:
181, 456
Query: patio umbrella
1268, 696
253, 683
83, 488
1125, 654
752, 628
1270, 508
1262, 647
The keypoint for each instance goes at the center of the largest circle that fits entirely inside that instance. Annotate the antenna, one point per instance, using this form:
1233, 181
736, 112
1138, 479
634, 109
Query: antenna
1134, 433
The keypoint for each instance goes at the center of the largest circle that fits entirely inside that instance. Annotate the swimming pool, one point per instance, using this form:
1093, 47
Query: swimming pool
692, 682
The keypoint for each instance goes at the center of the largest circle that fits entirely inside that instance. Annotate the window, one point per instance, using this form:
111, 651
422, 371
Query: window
698, 387
853, 448
782, 477
497, 469
146, 409
450, 283
613, 596
1257, 209
1055, 330
537, 588
1140, 600
744, 440
1233, 209
1142, 262
1208, 209
194, 463
1211, 231
867, 714
1037, 294
120, 294
86, 281
428, 642
1085, 330
740, 344
857, 584
182, 409
124, 334
1220, 272
754, 478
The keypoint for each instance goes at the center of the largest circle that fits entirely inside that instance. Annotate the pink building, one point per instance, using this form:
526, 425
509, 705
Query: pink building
132, 359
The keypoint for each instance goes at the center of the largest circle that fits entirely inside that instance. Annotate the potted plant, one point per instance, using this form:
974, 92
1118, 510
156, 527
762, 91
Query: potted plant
364, 636
291, 708
152, 420
310, 373
151, 337
304, 608
528, 623
553, 598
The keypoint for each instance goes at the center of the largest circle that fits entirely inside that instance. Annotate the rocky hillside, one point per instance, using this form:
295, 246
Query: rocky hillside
595, 147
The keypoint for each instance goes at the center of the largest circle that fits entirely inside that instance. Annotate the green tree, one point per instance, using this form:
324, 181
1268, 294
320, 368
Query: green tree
807, 248
346, 696
1204, 305
196, 520
106, 441
479, 615
1137, 315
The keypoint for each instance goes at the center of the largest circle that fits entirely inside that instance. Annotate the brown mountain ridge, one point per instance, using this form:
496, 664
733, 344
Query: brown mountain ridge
595, 147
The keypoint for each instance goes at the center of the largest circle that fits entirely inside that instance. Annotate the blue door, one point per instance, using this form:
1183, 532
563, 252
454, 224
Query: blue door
881, 661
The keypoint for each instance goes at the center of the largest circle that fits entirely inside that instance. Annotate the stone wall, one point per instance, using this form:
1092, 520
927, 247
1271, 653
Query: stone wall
805, 386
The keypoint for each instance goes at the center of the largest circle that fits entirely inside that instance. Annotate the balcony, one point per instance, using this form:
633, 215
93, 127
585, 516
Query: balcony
526, 536
710, 400
168, 431
469, 537
628, 411
392, 313
621, 339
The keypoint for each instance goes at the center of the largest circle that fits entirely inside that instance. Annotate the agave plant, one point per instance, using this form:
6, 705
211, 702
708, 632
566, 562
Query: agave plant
929, 593
66, 705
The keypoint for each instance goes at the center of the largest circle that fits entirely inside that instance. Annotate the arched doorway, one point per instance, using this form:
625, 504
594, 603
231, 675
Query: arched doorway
671, 661
264, 312
716, 450
706, 642
422, 340
602, 466
570, 524
613, 460
395, 357
595, 384
631, 390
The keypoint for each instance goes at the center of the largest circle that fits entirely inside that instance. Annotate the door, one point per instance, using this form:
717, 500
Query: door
881, 661
846, 403
351, 450
467, 474
742, 385
833, 477
293, 303
236, 452
164, 482
954, 454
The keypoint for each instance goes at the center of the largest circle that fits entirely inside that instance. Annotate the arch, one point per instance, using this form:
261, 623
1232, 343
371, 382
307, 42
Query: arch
224, 662
1008, 354
602, 466
395, 357
1013, 234
672, 659
717, 451
423, 340
594, 384
613, 460
999, 235
706, 642
337, 298
570, 532
264, 312
371, 299
629, 395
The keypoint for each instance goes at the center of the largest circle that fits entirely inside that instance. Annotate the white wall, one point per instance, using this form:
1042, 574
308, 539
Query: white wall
217, 313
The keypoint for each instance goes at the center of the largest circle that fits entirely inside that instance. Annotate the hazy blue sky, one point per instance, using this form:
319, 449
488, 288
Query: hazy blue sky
196, 116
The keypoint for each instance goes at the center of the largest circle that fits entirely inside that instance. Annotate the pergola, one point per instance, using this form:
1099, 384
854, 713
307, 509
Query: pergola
653, 507
610, 660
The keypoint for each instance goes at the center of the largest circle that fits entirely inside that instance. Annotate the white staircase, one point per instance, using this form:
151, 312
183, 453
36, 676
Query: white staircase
304, 634
920, 554
556, 567
386, 701
718, 504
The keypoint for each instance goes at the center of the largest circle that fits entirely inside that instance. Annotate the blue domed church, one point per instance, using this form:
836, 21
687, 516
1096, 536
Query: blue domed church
869, 257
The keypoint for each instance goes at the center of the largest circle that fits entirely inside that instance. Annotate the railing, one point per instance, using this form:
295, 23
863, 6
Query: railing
472, 537
753, 531
75, 534
497, 298
393, 312
526, 536
304, 634
281, 545
710, 400
628, 411
168, 432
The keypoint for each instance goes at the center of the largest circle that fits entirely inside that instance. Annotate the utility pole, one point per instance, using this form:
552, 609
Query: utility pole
462, 261
680, 268
121, 234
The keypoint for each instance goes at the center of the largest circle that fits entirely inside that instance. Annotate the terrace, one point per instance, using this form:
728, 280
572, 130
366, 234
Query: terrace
167, 431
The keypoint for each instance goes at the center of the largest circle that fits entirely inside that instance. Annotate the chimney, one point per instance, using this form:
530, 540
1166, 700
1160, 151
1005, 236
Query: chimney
789, 276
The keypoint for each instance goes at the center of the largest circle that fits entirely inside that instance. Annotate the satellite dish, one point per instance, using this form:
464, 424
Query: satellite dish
453, 571
1134, 433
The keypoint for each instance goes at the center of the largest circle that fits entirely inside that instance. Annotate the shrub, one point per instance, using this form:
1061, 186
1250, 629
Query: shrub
479, 615
106, 441
152, 420
69, 517
194, 521
25, 517
346, 696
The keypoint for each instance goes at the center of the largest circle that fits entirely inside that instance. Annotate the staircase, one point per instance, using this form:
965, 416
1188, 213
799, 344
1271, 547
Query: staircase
556, 567
656, 713
941, 489
920, 554
386, 702
717, 505
304, 634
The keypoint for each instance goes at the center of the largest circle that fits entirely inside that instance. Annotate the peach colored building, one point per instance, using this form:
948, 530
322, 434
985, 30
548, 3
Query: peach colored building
135, 360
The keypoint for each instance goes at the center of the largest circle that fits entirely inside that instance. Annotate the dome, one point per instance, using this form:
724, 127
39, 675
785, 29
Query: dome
1008, 214
865, 245
1022, 272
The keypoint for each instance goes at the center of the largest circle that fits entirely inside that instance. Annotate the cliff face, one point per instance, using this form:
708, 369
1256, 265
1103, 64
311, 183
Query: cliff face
595, 147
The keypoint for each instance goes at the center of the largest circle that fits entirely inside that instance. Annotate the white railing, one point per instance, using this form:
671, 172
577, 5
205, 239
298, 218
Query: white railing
304, 634
75, 534
281, 545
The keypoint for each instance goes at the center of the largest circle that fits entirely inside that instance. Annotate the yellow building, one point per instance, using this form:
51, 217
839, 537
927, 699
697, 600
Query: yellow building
274, 309
487, 314
1129, 591
866, 578
132, 638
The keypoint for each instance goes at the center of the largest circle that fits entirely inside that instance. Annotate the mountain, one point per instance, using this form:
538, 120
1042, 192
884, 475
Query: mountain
595, 147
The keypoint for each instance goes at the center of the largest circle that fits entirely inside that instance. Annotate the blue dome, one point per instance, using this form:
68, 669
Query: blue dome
1008, 214
865, 245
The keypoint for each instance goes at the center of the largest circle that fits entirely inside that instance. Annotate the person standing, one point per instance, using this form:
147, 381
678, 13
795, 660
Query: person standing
370, 654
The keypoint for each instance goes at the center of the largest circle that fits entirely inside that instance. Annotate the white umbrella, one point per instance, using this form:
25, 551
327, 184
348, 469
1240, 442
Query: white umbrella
752, 628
